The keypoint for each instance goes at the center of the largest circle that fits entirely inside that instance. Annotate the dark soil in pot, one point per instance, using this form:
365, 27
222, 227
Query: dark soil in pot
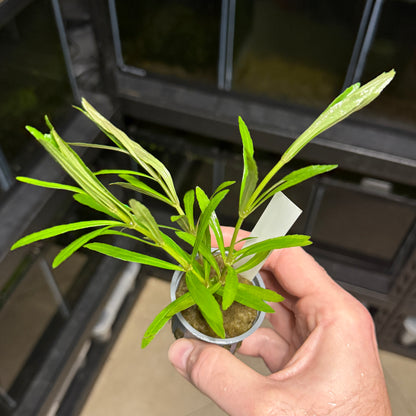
238, 318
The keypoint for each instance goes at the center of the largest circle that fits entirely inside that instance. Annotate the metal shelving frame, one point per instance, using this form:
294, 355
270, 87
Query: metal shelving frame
366, 148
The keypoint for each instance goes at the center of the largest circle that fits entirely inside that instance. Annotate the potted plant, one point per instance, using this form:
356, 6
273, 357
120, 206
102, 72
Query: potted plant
206, 281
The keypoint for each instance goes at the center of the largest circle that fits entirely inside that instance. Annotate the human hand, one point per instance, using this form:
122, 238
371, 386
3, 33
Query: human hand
321, 351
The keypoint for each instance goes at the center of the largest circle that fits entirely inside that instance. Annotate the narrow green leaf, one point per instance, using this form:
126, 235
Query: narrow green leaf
274, 243
42, 138
81, 241
249, 300
122, 172
223, 185
230, 288
131, 236
293, 179
139, 186
347, 103
207, 304
205, 218
250, 174
175, 218
206, 252
151, 164
76, 168
303, 174
86, 200
172, 247
182, 221
214, 223
146, 219
76, 245
253, 261
128, 255
97, 146
45, 184
207, 271
178, 305
261, 293
187, 237
62, 229
188, 202
219, 237
344, 94
202, 198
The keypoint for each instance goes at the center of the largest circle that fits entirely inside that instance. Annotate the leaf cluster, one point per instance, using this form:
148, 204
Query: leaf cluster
194, 216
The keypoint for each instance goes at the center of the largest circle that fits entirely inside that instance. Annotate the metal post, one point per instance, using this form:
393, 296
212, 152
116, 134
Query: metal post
56, 293
225, 59
365, 37
6, 177
65, 49
117, 43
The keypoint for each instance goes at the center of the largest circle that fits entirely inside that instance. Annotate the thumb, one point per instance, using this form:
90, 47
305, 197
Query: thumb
234, 386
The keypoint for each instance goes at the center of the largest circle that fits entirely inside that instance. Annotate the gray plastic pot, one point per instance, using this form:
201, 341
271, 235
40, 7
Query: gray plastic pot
182, 329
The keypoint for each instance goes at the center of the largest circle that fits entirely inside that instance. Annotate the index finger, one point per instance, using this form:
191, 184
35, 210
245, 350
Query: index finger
295, 271
298, 273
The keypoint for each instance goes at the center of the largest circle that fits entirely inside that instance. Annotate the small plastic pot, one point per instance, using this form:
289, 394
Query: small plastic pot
181, 328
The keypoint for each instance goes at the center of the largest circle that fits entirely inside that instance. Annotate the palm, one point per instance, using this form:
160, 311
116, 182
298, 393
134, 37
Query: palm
312, 340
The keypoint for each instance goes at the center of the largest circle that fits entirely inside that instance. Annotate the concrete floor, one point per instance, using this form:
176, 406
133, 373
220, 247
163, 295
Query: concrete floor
142, 382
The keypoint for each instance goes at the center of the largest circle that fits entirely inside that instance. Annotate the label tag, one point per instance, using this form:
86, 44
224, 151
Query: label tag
276, 220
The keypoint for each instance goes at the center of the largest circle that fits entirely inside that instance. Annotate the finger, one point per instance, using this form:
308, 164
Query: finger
270, 346
298, 273
284, 322
234, 386
272, 283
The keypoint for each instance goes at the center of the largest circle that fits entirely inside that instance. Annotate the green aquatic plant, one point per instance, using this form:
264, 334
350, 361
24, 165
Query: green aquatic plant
194, 216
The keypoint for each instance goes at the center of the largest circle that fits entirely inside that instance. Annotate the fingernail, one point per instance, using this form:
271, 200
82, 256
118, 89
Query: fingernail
179, 353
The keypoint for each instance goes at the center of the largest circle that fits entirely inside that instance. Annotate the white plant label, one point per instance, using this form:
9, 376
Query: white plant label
276, 220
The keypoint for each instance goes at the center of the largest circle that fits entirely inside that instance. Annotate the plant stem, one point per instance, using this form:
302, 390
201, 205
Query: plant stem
264, 182
237, 228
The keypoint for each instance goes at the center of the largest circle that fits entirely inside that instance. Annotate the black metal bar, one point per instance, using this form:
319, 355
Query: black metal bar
403, 252
230, 46
6, 177
53, 287
358, 43
118, 52
225, 59
368, 40
102, 26
65, 49
222, 45
375, 151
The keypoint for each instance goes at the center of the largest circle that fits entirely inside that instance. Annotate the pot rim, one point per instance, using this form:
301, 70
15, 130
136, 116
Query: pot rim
213, 340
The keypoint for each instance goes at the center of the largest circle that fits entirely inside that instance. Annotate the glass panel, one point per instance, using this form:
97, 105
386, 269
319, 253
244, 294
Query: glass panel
294, 51
394, 46
33, 80
172, 38
362, 224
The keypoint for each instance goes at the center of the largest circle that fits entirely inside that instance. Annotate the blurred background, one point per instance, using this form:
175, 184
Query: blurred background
176, 75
